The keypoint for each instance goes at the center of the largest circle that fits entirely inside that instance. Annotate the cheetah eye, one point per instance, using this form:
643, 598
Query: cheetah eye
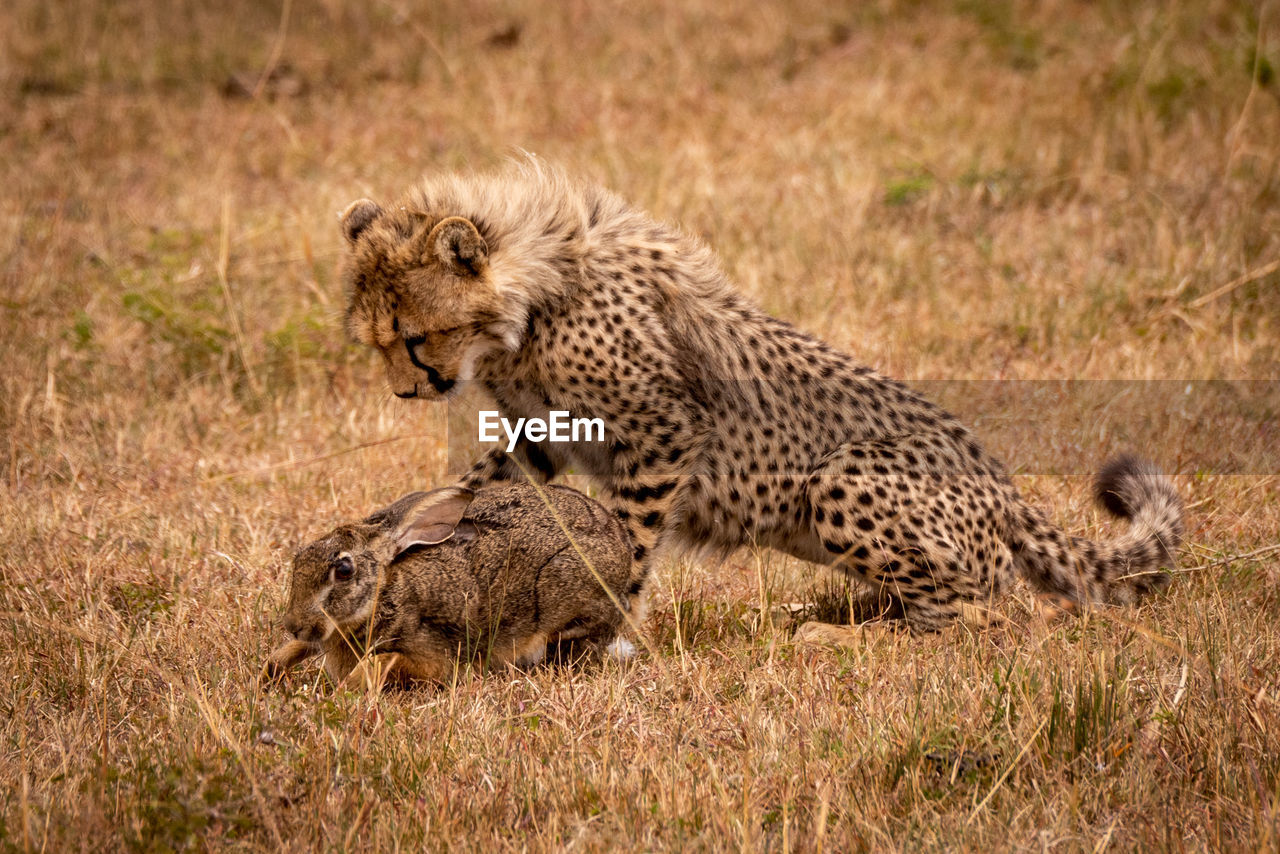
344, 568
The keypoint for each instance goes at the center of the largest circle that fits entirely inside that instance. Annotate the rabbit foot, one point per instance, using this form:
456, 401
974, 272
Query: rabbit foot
286, 657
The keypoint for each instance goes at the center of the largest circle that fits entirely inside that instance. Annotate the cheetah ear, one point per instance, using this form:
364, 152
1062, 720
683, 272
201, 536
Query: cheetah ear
457, 243
357, 216
435, 520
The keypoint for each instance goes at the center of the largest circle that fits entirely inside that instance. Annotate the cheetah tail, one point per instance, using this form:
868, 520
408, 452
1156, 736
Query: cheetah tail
1120, 570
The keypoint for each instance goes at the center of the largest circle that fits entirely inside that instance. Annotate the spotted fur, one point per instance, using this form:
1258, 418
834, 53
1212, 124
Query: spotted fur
725, 427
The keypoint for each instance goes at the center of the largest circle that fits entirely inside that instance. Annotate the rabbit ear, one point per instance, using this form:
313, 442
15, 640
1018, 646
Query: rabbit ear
435, 519
390, 518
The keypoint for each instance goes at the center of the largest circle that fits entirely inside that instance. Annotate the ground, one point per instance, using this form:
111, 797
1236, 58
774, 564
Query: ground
977, 191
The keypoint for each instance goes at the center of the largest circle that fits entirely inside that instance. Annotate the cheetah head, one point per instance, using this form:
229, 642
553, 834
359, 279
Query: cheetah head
420, 292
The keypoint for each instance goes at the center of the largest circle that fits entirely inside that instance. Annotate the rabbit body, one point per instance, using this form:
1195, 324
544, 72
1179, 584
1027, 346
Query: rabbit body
451, 575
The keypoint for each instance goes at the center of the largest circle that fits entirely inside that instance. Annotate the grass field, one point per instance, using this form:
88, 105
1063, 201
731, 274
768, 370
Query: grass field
974, 190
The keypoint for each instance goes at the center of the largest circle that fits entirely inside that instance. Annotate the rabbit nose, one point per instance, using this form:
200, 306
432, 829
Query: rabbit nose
293, 626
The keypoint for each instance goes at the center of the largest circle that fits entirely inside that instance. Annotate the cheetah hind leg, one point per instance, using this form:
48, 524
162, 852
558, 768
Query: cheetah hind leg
916, 583
919, 584
933, 593
872, 527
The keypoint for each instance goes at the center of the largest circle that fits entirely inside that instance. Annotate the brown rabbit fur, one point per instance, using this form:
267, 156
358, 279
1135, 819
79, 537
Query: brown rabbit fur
453, 575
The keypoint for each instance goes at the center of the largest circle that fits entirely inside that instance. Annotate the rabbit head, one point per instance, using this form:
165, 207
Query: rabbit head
336, 580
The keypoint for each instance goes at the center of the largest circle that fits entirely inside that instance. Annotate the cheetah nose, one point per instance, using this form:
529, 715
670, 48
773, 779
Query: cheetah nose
408, 395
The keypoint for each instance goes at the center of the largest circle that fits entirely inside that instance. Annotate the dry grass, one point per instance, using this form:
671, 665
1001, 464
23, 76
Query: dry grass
972, 189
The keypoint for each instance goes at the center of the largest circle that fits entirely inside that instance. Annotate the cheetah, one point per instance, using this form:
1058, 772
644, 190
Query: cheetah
725, 427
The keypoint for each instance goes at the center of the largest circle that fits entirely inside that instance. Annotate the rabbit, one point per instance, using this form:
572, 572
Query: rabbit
453, 575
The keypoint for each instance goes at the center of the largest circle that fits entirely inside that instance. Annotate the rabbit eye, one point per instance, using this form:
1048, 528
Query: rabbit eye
344, 568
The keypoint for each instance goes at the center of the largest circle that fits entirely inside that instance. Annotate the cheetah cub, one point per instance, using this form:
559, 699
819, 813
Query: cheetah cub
725, 427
